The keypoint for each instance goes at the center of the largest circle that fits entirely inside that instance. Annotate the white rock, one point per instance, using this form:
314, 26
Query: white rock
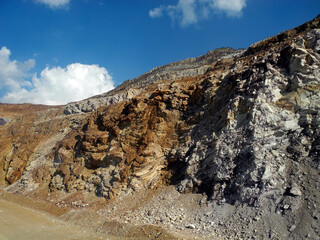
191, 226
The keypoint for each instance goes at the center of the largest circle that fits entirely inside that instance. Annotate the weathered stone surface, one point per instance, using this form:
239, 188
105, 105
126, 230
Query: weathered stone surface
231, 133
28, 136
295, 191
244, 133
3, 121
94, 103
129, 89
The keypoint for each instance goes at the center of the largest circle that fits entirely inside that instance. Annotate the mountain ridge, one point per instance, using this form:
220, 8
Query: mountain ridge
185, 68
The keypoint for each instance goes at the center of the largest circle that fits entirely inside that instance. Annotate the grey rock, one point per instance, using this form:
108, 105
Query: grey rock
295, 191
292, 228
94, 103
4, 121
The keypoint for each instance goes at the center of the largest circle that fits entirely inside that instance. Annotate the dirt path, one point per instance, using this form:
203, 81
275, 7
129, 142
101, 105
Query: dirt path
20, 223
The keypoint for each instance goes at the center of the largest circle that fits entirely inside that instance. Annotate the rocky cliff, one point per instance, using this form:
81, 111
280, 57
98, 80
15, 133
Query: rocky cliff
129, 89
225, 145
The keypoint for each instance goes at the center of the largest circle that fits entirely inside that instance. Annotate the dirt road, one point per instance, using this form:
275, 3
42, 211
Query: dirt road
20, 223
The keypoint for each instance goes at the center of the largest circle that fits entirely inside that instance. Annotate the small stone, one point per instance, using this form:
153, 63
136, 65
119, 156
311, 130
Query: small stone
256, 218
191, 226
150, 212
295, 191
292, 228
271, 234
286, 206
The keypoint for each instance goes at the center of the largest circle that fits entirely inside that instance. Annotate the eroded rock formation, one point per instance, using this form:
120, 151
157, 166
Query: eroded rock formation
129, 89
242, 131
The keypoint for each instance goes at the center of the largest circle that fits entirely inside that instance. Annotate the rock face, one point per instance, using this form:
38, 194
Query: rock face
129, 89
186, 68
3, 121
94, 103
243, 131
29, 129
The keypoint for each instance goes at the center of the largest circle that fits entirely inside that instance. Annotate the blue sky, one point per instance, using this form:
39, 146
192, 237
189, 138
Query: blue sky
57, 51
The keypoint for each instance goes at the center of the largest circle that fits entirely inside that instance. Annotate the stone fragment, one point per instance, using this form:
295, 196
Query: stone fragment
286, 206
295, 191
191, 226
292, 228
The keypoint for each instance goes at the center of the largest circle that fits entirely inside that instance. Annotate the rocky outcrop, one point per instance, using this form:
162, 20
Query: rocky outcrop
244, 133
190, 67
29, 130
129, 89
127, 150
94, 103
229, 133
3, 121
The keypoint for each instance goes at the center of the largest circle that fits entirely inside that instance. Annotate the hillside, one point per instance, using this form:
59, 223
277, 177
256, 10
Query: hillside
129, 89
223, 146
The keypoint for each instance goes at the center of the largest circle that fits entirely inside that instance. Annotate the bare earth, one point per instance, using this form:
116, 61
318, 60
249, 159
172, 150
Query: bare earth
17, 222
24, 218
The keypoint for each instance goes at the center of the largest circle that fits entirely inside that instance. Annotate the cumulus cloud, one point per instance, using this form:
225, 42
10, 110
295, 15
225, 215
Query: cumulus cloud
188, 12
13, 73
54, 3
55, 85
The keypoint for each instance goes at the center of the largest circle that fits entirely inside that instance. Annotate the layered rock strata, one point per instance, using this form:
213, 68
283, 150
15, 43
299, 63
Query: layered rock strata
231, 133
244, 133
129, 89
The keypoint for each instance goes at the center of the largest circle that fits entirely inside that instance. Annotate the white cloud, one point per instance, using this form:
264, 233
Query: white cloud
13, 73
230, 7
54, 85
188, 12
156, 12
184, 12
54, 3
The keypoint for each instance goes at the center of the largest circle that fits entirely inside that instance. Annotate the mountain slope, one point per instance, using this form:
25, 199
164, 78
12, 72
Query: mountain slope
231, 152
126, 91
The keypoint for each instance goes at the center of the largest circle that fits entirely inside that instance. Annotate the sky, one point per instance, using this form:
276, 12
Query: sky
59, 51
